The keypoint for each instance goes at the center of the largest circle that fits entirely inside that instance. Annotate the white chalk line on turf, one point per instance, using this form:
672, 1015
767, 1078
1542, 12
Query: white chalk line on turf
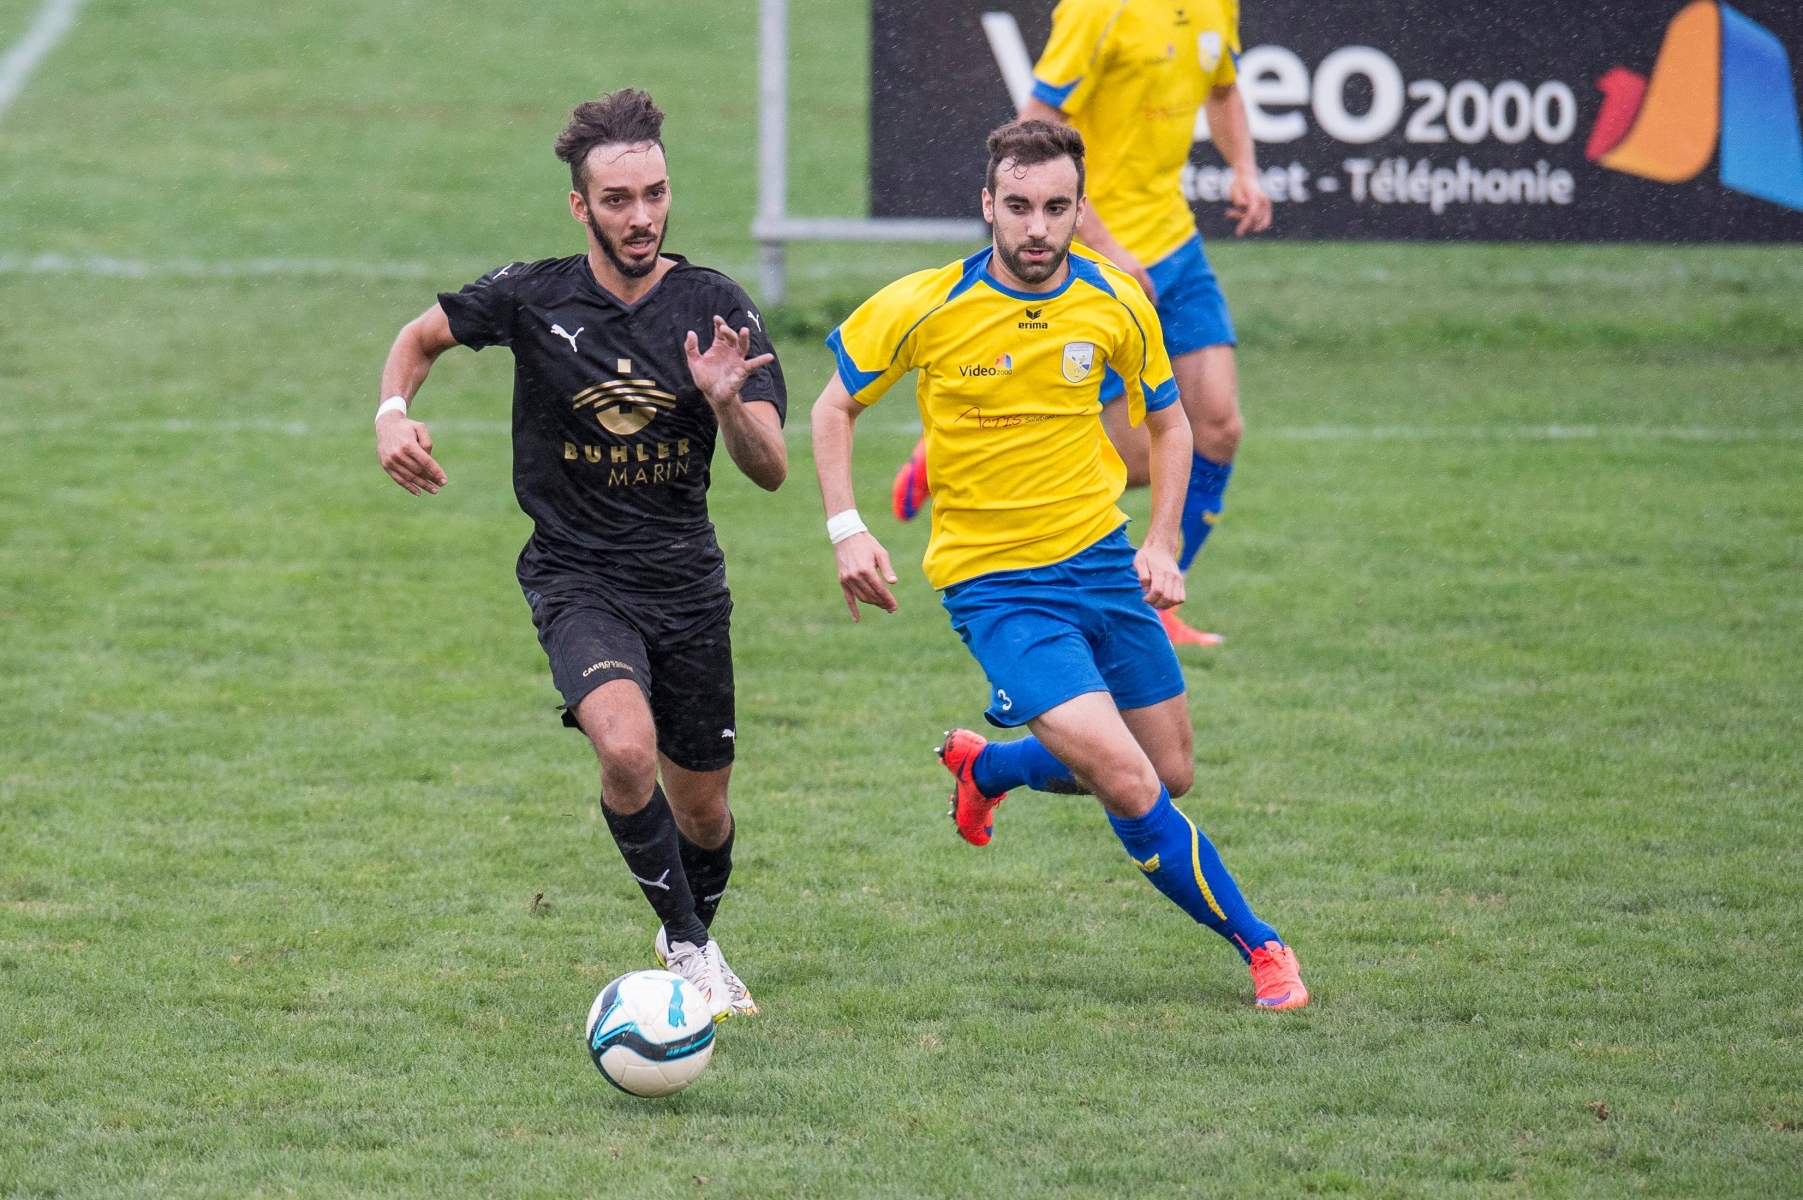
49, 27
1523, 433
1303, 433
196, 268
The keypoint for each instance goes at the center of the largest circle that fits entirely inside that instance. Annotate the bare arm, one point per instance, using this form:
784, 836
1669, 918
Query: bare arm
864, 569
403, 446
1227, 125
752, 431
1090, 227
1170, 460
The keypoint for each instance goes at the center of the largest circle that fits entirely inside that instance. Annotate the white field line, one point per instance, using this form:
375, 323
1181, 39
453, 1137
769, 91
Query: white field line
882, 271
1309, 433
1524, 433
196, 268
111, 267
52, 23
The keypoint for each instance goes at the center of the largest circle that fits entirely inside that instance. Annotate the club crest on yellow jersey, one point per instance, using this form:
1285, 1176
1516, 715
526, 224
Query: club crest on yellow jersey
1208, 50
1079, 360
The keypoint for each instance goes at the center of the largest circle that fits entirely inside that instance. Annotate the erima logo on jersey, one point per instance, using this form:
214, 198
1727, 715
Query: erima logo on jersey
1149, 866
1033, 321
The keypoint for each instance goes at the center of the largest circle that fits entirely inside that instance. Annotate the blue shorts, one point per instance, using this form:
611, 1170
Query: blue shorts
1190, 307
1190, 304
1050, 634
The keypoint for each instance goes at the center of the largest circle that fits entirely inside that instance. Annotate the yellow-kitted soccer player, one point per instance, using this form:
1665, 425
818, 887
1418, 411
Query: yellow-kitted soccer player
1130, 75
1029, 548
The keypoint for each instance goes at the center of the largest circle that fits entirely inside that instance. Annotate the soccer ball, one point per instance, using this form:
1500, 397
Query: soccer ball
650, 1033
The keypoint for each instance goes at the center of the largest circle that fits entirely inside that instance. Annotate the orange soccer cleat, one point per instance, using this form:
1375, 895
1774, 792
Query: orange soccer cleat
911, 492
972, 811
1182, 634
1277, 977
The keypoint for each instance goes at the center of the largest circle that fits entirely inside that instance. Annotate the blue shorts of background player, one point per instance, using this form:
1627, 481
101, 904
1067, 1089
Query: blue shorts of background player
1194, 315
1049, 634
1190, 307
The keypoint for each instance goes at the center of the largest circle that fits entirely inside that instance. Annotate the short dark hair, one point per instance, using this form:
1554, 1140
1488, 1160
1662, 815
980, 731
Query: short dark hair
1029, 143
628, 116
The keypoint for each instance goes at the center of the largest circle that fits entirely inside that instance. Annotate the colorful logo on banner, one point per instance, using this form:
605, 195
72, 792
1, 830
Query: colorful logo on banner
1720, 77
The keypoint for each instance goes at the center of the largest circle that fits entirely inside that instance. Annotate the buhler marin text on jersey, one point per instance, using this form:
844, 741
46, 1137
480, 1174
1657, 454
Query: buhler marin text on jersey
639, 463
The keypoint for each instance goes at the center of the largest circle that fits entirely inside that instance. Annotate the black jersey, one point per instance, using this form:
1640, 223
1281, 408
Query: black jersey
612, 440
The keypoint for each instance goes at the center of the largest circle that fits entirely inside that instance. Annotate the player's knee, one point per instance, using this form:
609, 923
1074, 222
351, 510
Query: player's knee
1126, 783
707, 824
1218, 433
1177, 777
628, 759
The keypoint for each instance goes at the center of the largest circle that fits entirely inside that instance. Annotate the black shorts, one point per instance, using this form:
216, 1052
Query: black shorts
680, 658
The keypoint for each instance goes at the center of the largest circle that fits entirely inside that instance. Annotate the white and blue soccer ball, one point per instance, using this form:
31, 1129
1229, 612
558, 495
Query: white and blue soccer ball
650, 1033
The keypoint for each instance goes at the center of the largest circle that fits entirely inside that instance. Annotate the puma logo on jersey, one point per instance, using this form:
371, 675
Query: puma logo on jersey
568, 337
755, 319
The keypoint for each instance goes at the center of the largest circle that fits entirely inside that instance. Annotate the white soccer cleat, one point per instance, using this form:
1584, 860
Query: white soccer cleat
737, 993
700, 965
742, 1003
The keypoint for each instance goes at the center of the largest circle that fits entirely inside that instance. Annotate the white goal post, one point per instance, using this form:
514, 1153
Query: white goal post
773, 227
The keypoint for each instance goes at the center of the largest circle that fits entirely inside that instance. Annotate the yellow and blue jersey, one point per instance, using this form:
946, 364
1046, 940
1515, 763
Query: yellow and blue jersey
1009, 395
1131, 74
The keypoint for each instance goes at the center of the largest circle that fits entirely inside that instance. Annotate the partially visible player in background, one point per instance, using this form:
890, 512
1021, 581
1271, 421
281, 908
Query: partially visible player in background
1130, 75
616, 411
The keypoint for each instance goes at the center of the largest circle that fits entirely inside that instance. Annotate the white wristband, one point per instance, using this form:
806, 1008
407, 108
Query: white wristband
390, 405
840, 526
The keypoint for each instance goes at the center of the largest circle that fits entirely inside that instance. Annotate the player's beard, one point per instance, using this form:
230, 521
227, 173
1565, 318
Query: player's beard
630, 270
1028, 272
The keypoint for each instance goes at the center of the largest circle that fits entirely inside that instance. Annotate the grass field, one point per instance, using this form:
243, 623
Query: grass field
1506, 738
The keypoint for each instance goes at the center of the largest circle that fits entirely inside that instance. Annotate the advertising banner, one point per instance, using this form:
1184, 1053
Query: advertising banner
1639, 120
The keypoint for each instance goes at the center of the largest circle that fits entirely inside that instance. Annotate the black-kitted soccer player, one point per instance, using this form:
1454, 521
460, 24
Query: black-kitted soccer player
616, 410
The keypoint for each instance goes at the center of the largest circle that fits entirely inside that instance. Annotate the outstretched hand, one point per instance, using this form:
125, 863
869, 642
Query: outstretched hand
404, 448
722, 371
1248, 206
1159, 578
865, 573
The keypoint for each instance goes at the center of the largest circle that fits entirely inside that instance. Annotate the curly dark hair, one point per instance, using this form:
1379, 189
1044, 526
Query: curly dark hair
1029, 143
627, 116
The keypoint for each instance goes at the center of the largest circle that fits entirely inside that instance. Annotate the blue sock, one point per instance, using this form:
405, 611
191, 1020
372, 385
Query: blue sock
1202, 505
1004, 766
1182, 864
